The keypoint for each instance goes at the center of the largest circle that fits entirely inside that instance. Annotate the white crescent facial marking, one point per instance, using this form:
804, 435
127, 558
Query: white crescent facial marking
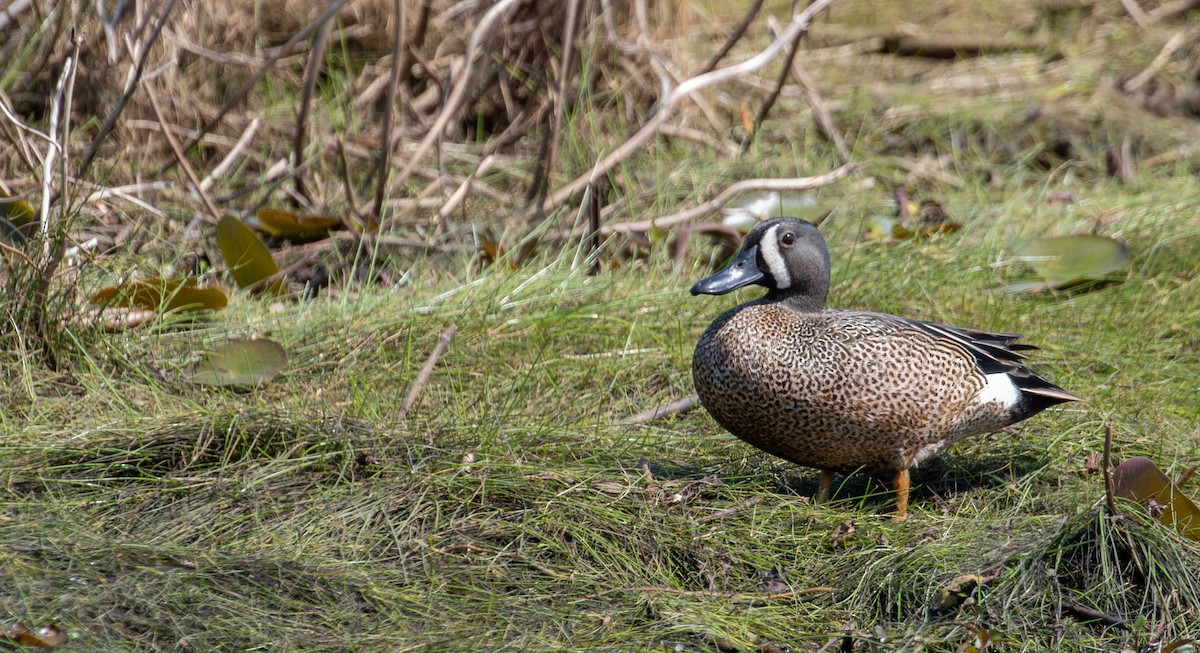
1000, 388
776, 266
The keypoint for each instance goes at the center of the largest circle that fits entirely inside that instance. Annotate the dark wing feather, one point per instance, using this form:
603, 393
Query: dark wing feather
999, 352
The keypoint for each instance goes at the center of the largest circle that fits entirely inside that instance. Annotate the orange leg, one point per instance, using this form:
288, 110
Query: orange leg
900, 483
825, 487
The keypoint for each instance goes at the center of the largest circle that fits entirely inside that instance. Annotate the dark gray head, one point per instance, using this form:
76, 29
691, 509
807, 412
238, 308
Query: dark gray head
786, 255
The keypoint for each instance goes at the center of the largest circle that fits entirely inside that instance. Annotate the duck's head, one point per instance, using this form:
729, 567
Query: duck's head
787, 256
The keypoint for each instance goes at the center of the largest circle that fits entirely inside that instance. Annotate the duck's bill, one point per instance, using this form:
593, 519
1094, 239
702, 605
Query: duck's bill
743, 271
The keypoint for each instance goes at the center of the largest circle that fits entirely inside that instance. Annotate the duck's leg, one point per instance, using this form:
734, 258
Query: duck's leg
900, 484
825, 487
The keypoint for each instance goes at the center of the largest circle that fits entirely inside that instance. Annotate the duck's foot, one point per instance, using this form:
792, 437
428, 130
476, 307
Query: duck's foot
825, 486
900, 484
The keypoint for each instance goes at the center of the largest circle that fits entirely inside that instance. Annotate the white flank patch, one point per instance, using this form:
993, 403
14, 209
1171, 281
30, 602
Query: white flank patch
927, 451
1000, 388
769, 246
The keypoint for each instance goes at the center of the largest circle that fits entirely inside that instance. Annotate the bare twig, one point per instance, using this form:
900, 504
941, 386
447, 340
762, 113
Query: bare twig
418, 39
54, 251
236, 98
1163, 57
1135, 12
53, 149
450, 107
594, 206
775, 91
819, 108
232, 156
399, 57
731, 510
187, 167
316, 57
12, 12
736, 596
797, 183
736, 36
541, 171
1084, 613
800, 24
134, 81
1107, 464
461, 192
677, 407
413, 391
1171, 10
346, 182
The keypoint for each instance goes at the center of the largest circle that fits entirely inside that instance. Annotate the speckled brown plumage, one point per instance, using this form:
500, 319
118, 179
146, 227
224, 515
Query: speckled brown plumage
842, 390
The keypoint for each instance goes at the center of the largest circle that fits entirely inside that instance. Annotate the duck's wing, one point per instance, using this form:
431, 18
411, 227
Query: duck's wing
994, 352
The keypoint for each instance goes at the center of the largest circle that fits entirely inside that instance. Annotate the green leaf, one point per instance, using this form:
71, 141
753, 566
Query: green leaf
17, 219
1141, 480
16, 211
1066, 261
240, 363
248, 258
162, 296
291, 225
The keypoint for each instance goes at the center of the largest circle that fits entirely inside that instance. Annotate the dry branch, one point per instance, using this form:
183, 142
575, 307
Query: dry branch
815, 101
399, 56
411, 397
450, 108
179, 156
284, 50
667, 105
791, 184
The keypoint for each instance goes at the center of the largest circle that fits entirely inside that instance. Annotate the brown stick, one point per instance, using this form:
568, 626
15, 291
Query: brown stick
346, 182
1085, 613
111, 120
283, 51
736, 36
187, 167
411, 397
594, 207
817, 103
541, 170
736, 596
731, 510
774, 96
677, 407
316, 55
1107, 464
667, 105
450, 107
399, 59
798, 183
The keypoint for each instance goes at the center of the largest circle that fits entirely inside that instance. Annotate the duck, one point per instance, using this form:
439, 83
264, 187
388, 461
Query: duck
842, 390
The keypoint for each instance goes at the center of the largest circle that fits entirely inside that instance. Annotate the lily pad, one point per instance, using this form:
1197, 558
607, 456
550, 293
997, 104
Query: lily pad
1066, 261
1141, 480
291, 225
162, 296
248, 258
17, 218
240, 363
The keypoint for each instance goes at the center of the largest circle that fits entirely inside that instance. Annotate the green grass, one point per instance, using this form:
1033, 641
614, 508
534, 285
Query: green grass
512, 509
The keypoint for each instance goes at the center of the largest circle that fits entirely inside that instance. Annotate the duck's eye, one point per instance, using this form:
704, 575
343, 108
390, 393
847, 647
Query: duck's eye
787, 238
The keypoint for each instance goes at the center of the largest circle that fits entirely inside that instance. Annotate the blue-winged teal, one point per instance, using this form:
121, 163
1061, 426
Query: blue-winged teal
842, 390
